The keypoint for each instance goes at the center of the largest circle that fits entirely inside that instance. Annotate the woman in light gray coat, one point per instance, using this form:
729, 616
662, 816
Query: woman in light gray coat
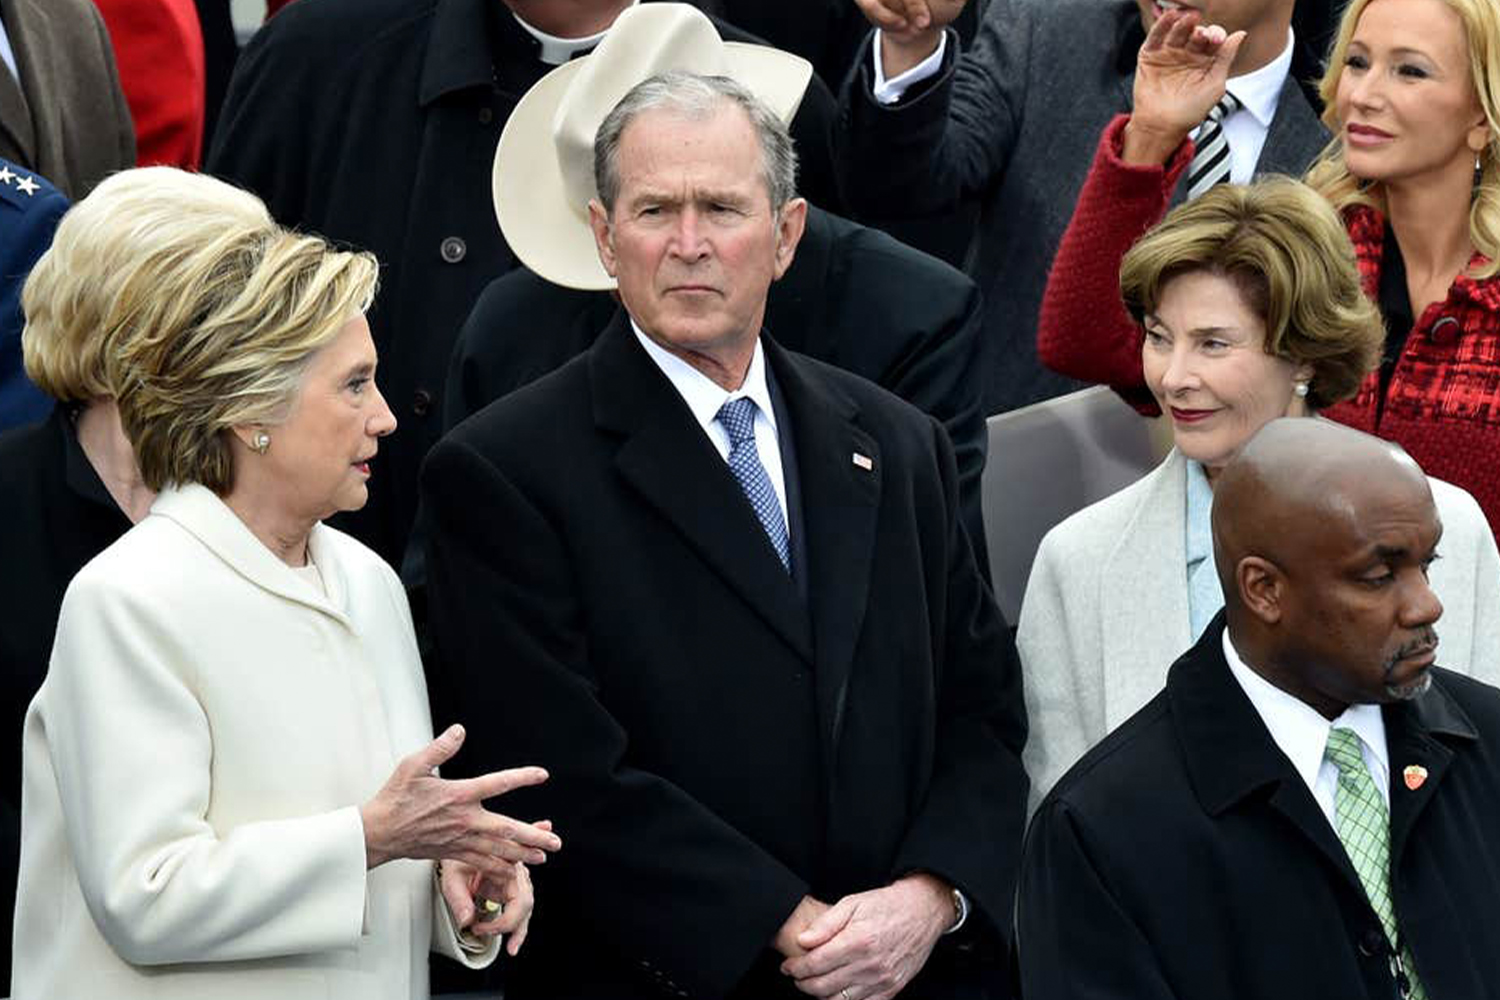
1250, 301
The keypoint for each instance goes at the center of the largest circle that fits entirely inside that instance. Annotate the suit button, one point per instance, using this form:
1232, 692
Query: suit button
421, 403
1372, 943
486, 116
1445, 330
452, 250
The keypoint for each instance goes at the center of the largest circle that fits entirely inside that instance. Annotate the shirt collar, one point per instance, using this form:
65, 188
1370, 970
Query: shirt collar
1300, 732
1259, 91
556, 50
703, 396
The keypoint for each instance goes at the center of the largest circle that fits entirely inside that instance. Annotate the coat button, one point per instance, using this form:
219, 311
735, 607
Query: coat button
1372, 943
452, 249
486, 116
421, 403
1445, 330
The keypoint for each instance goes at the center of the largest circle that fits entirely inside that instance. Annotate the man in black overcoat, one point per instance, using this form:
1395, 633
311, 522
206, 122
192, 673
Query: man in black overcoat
722, 592
1308, 810
374, 122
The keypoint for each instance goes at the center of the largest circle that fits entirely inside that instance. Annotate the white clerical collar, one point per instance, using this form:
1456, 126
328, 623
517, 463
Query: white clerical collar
702, 394
555, 50
1298, 729
1259, 91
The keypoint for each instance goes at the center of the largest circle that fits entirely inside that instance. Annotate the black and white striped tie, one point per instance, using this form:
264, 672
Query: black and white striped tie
1210, 164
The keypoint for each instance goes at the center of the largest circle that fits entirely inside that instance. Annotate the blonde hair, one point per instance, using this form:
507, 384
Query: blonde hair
238, 320
86, 292
187, 303
1330, 176
1284, 248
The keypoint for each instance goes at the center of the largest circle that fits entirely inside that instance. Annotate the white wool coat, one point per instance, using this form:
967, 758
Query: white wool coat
193, 767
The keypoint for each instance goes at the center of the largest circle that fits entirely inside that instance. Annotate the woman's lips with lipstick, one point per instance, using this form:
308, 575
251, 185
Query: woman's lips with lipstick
1191, 416
1366, 135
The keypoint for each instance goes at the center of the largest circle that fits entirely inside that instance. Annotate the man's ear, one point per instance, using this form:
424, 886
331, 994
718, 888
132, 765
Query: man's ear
790, 223
1262, 588
603, 239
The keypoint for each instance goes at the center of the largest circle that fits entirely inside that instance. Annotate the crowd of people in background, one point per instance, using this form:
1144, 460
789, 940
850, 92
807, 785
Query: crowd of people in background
603, 387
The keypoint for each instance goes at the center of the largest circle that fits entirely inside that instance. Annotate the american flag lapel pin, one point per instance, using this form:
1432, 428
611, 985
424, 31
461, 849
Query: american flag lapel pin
1414, 775
864, 462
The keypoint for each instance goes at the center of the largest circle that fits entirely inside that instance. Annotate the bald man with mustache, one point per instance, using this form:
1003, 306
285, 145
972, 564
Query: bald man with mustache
1307, 810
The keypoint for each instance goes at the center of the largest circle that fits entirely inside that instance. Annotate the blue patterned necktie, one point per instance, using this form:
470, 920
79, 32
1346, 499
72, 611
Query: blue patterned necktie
1210, 164
738, 418
1363, 823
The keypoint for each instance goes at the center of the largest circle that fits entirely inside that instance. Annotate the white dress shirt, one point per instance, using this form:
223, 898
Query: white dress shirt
1258, 91
1302, 734
704, 397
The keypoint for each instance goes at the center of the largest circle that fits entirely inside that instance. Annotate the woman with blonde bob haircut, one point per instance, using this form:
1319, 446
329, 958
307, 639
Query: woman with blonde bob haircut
1249, 305
229, 782
1412, 94
72, 484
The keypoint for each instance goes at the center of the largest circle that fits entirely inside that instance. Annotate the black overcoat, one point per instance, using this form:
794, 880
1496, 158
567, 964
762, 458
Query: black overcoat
1185, 857
604, 603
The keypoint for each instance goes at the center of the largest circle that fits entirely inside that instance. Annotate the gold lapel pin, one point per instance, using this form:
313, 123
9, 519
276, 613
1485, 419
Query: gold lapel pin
1414, 775
864, 462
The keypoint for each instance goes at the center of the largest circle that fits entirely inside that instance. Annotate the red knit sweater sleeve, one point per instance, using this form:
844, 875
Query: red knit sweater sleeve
1084, 331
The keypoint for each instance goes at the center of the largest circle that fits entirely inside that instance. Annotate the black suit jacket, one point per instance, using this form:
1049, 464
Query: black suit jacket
853, 297
374, 122
55, 515
605, 603
1185, 857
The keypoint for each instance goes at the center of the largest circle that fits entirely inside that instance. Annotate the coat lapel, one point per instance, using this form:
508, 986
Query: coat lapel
15, 113
1231, 756
666, 458
1411, 735
206, 517
1295, 136
1144, 623
840, 505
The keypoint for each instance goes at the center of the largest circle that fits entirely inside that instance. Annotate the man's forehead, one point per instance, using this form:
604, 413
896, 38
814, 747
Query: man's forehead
1377, 520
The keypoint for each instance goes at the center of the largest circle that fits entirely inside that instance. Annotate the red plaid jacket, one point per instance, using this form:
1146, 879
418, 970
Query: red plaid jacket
1443, 401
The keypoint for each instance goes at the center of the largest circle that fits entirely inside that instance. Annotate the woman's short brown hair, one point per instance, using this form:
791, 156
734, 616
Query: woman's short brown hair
1284, 248
213, 315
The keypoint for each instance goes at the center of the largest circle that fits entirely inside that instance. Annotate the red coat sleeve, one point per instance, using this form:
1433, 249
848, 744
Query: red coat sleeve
1084, 331
159, 50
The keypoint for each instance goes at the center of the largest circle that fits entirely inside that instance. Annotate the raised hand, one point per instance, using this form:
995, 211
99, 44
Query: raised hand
904, 16
1179, 76
420, 815
909, 29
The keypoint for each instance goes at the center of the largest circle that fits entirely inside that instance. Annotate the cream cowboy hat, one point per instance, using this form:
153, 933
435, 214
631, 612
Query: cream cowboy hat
543, 176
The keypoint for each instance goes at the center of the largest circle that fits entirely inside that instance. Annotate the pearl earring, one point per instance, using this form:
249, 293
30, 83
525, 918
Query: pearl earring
262, 442
1300, 389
